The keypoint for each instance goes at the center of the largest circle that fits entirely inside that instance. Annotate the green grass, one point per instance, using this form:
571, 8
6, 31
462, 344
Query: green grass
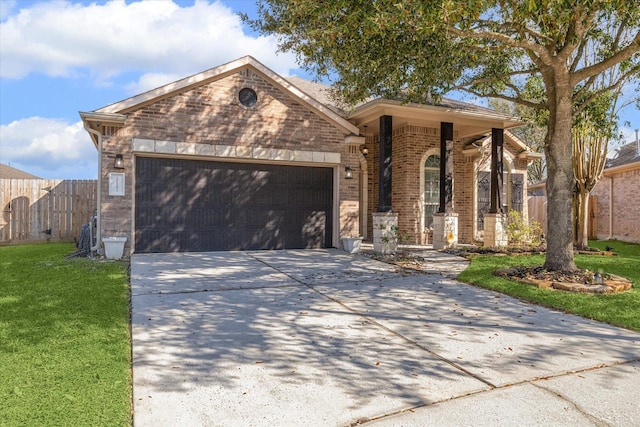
64, 339
620, 309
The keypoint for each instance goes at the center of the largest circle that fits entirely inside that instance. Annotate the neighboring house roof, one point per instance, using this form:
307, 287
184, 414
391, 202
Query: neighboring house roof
7, 172
626, 158
626, 154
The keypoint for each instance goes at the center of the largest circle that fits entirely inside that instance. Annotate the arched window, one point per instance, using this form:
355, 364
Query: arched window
431, 195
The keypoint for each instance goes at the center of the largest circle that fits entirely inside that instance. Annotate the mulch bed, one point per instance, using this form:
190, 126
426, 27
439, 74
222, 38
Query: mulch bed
573, 281
468, 252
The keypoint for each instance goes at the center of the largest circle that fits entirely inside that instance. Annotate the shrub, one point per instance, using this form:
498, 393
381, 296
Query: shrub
521, 232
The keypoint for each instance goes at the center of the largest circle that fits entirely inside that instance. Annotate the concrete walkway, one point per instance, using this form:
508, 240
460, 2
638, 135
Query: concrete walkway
324, 338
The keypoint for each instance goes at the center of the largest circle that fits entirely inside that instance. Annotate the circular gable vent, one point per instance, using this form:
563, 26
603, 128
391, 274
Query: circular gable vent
248, 97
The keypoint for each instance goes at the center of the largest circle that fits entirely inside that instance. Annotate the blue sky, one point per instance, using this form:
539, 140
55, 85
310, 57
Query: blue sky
58, 57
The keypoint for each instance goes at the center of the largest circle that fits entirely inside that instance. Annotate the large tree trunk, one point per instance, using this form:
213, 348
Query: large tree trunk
560, 181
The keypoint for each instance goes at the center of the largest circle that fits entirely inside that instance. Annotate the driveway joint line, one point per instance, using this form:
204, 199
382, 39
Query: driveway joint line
409, 340
239, 288
534, 382
597, 421
381, 326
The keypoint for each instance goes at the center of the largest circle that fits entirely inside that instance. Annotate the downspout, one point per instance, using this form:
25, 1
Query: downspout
99, 193
610, 207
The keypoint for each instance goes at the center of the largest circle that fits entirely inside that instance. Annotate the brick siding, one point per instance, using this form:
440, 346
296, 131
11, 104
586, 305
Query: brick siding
410, 143
625, 217
211, 114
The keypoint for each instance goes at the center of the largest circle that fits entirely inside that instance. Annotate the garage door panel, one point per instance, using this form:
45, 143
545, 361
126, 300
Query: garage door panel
312, 225
193, 205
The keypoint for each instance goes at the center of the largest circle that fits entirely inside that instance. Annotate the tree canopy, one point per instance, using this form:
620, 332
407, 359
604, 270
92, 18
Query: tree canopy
531, 52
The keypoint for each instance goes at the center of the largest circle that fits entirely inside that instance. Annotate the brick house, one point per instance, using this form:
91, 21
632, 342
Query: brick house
238, 157
618, 202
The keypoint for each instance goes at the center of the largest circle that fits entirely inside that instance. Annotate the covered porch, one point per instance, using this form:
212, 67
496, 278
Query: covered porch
438, 174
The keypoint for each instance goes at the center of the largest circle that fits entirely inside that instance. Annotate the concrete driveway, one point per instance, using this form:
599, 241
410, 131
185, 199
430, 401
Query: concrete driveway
325, 338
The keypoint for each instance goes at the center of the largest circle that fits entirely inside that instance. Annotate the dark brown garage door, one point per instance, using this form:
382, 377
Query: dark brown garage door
194, 205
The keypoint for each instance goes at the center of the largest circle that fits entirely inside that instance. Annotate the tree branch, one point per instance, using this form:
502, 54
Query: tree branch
581, 25
615, 86
598, 68
502, 38
526, 103
579, 53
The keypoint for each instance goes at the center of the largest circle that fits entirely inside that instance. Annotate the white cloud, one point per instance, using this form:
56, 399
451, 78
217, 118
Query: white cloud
64, 39
6, 8
48, 148
150, 81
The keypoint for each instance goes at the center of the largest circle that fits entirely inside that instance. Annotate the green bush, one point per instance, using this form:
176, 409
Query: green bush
521, 232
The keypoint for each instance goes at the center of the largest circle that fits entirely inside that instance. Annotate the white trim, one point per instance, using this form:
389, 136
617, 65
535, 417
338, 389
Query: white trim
354, 139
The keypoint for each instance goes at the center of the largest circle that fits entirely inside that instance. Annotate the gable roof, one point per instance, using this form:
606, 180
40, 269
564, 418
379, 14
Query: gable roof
319, 91
220, 72
8, 172
625, 154
322, 93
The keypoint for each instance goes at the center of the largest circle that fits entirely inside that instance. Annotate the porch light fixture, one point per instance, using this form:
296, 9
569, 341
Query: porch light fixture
119, 163
365, 150
348, 173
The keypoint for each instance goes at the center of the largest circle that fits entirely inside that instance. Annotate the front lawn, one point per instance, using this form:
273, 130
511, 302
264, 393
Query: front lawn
621, 309
65, 353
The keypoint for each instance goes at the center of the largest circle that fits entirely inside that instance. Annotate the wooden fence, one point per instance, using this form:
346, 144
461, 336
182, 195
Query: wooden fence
45, 209
538, 212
